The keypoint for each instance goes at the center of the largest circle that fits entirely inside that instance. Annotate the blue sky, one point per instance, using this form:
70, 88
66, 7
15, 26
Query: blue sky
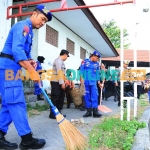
131, 16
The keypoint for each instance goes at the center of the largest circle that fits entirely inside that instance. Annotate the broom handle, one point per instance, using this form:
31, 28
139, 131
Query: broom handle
47, 98
101, 97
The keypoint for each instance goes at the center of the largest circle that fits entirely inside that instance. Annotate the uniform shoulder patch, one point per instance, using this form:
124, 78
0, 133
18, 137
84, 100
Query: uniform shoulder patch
25, 30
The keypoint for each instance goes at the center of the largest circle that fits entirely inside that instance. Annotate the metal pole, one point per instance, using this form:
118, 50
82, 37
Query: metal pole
33, 3
26, 4
16, 20
135, 83
121, 61
100, 60
128, 108
89, 6
60, 9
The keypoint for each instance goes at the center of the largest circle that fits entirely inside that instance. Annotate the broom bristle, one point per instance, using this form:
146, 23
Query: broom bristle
104, 109
73, 138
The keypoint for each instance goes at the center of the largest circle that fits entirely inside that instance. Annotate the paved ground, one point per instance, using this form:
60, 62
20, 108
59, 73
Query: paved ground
46, 128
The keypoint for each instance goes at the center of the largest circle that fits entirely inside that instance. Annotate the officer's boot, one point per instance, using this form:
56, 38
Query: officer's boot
39, 98
28, 142
88, 113
95, 113
5, 144
51, 115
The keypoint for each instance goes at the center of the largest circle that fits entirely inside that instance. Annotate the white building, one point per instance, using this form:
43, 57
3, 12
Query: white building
77, 31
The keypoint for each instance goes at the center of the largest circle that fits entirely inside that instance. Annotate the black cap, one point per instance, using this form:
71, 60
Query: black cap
63, 51
40, 59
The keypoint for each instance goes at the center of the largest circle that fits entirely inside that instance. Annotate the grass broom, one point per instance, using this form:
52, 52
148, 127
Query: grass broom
74, 139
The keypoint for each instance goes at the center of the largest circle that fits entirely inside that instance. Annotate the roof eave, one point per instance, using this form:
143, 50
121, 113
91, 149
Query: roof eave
96, 24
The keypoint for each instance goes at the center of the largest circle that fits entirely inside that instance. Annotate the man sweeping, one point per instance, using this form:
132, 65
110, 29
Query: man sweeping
90, 76
15, 55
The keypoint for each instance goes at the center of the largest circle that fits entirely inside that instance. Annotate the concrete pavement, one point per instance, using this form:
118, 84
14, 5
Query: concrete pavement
43, 127
46, 128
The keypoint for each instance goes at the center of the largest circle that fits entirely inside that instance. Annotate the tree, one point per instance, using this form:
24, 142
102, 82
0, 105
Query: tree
113, 33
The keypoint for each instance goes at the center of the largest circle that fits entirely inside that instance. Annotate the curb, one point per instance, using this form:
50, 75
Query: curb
141, 139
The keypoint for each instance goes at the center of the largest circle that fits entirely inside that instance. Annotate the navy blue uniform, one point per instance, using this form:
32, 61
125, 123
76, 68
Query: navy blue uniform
91, 74
18, 45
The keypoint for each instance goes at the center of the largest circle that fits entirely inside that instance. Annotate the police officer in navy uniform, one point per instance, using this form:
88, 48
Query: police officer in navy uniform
58, 82
90, 76
37, 89
117, 82
15, 54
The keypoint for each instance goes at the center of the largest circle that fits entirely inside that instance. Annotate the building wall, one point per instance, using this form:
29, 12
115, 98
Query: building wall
51, 52
5, 24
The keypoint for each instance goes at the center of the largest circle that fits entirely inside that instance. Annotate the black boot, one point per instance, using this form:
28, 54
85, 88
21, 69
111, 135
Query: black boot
28, 142
39, 98
5, 144
51, 115
88, 113
68, 106
95, 113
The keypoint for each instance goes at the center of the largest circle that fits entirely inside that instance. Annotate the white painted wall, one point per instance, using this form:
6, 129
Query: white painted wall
5, 24
51, 52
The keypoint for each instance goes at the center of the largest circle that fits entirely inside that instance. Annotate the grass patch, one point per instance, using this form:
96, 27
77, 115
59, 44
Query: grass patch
114, 134
142, 106
36, 109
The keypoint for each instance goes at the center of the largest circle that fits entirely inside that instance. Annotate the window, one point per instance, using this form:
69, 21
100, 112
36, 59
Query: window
51, 36
82, 53
70, 46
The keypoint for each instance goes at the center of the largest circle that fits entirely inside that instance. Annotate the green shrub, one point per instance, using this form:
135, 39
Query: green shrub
38, 107
114, 134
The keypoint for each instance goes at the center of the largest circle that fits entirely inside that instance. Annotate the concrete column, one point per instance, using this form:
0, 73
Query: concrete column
5, 24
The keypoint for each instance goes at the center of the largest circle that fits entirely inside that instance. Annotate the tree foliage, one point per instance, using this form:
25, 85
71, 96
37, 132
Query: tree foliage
113, 33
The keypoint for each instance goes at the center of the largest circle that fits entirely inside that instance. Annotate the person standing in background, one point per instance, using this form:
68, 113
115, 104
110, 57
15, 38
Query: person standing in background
37, 89
58, 82
117, 82
116, 79
90, 75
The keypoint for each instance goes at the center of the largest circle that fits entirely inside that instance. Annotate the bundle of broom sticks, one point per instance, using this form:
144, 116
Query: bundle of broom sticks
74, 139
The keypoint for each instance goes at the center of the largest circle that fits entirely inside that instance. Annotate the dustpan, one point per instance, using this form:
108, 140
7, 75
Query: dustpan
103, 108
